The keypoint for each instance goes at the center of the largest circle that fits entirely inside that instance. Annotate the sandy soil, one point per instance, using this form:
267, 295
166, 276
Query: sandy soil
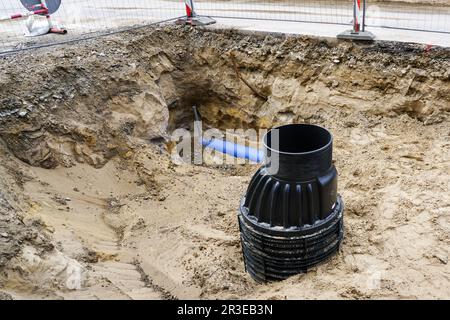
91, 205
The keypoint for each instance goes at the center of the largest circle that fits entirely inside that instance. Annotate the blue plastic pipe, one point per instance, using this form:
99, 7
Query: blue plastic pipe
234, 149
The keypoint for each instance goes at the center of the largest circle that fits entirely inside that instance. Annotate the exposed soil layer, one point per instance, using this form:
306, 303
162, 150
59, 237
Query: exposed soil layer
92, 206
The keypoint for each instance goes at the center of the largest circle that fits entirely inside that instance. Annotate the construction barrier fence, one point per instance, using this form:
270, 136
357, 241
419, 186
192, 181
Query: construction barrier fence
86, 18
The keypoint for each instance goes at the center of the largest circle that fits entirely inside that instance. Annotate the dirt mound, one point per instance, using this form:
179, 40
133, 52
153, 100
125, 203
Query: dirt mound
95, 207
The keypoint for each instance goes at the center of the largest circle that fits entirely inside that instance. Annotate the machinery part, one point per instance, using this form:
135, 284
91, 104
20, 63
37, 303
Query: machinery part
291, 217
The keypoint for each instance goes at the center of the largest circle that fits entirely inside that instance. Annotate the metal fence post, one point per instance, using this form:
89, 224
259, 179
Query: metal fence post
192, 18
364, 16
359, 24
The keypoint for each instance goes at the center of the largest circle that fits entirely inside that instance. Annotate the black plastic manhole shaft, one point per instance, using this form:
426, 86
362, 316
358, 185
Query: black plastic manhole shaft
291, 217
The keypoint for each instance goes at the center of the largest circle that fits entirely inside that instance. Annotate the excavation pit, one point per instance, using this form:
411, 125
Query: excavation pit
88, 185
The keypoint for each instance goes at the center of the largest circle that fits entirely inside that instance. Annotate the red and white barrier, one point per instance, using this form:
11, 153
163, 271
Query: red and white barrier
39, 10
357, 16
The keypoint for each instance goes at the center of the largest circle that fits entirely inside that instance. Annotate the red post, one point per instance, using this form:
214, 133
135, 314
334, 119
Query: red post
190, 8
357, 16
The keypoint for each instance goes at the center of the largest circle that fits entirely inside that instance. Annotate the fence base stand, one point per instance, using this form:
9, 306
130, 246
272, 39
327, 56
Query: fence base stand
352, 35
196, 21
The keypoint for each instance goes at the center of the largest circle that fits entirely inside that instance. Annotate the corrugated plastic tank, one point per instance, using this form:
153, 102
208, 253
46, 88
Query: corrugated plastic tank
291, 217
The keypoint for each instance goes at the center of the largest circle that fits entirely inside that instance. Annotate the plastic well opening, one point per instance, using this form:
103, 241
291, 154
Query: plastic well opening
297, 138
